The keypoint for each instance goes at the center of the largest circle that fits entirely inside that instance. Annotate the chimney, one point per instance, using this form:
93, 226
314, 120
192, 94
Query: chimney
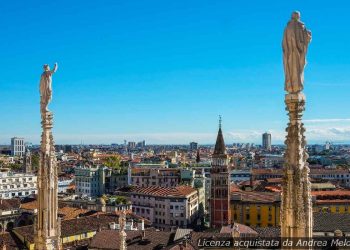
112, 225
141, 225
143, 234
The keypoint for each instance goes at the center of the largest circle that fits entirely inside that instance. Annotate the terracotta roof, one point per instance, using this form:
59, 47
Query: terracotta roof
10, 241
243, 229
274, 188
110, 239
234, 188
274, 180
66, 212
78, 226
71, 212
252, 196
331, 193
179, 191
329, 222
9, 204
330, 201
30, 205
329, 171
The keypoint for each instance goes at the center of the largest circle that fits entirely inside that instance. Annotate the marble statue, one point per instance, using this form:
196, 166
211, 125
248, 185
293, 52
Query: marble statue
46, 87
296, 39
296, 203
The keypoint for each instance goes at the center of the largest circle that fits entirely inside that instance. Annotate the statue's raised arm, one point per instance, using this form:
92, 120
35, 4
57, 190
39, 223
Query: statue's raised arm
46, 88
55, 67
296, 39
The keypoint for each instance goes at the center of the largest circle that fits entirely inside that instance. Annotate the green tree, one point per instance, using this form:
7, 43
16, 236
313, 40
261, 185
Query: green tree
15, 166
113, 162
35, 161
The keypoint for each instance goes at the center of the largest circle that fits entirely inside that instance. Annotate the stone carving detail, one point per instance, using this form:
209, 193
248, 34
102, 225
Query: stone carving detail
296, 207
122, 234
296, 39
47, 226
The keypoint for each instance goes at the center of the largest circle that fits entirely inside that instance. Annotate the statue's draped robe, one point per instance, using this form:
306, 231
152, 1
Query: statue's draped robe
46, 89
295, 43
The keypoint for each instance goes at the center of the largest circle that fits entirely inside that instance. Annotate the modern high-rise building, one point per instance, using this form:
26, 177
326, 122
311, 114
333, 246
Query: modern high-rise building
220, 214
131, 145
266, 141
193, 145
17, 146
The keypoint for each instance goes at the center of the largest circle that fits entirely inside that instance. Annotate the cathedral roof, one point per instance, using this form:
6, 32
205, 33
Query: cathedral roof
220, 148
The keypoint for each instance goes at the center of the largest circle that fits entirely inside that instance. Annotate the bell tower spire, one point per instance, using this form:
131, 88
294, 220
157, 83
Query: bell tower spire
220, 188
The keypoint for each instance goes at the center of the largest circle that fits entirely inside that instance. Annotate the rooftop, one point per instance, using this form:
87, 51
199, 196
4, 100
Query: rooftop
179, 191
9, 204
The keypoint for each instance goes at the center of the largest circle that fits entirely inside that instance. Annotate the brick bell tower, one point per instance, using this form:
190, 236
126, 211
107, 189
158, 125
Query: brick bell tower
220, 184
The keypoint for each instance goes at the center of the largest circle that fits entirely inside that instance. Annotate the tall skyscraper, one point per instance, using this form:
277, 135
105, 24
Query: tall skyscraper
266, 141
193, 146
17, 146
220, 214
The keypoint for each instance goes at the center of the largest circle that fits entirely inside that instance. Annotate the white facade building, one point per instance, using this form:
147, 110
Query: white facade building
90, 180
166, 207
63, 184
16, 184
17, 146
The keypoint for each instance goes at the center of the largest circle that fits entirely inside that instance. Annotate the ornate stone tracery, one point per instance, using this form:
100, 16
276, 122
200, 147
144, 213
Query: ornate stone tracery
47, 226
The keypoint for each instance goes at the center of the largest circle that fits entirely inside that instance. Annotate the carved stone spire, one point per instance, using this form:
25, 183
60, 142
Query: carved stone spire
296, 207
122, 234
47, 231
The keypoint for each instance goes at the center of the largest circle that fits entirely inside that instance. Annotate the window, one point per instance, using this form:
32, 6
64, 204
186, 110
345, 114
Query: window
247, 216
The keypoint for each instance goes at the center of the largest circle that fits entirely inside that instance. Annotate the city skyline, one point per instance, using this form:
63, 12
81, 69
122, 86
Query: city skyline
166, 77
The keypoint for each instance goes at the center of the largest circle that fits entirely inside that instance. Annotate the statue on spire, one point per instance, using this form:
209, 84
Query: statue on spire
46, 88
296, 39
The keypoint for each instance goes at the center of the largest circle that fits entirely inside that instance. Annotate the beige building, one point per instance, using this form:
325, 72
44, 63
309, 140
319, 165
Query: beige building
162, 177
166, 207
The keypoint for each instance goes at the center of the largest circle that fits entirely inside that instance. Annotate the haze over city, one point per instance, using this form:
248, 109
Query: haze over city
163, 72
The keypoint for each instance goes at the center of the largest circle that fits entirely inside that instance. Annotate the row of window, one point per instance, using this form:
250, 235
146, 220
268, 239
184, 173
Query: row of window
16, 186
16, 194
16, 180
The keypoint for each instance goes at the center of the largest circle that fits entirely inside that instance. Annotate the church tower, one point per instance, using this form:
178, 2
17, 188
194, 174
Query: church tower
220, 185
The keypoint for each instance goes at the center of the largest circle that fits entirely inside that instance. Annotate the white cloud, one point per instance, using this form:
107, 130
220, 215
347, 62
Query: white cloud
315, 133
326, 120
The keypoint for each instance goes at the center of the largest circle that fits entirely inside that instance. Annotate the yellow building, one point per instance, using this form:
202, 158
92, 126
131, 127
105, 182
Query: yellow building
261, 209
332, 201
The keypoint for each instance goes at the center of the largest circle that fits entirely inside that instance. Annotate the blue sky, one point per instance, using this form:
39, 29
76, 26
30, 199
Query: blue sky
164, 70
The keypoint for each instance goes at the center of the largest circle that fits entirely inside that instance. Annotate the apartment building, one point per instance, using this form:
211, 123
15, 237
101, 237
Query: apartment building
90, 180
17, 146
162, 177
166, 207
16, 184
